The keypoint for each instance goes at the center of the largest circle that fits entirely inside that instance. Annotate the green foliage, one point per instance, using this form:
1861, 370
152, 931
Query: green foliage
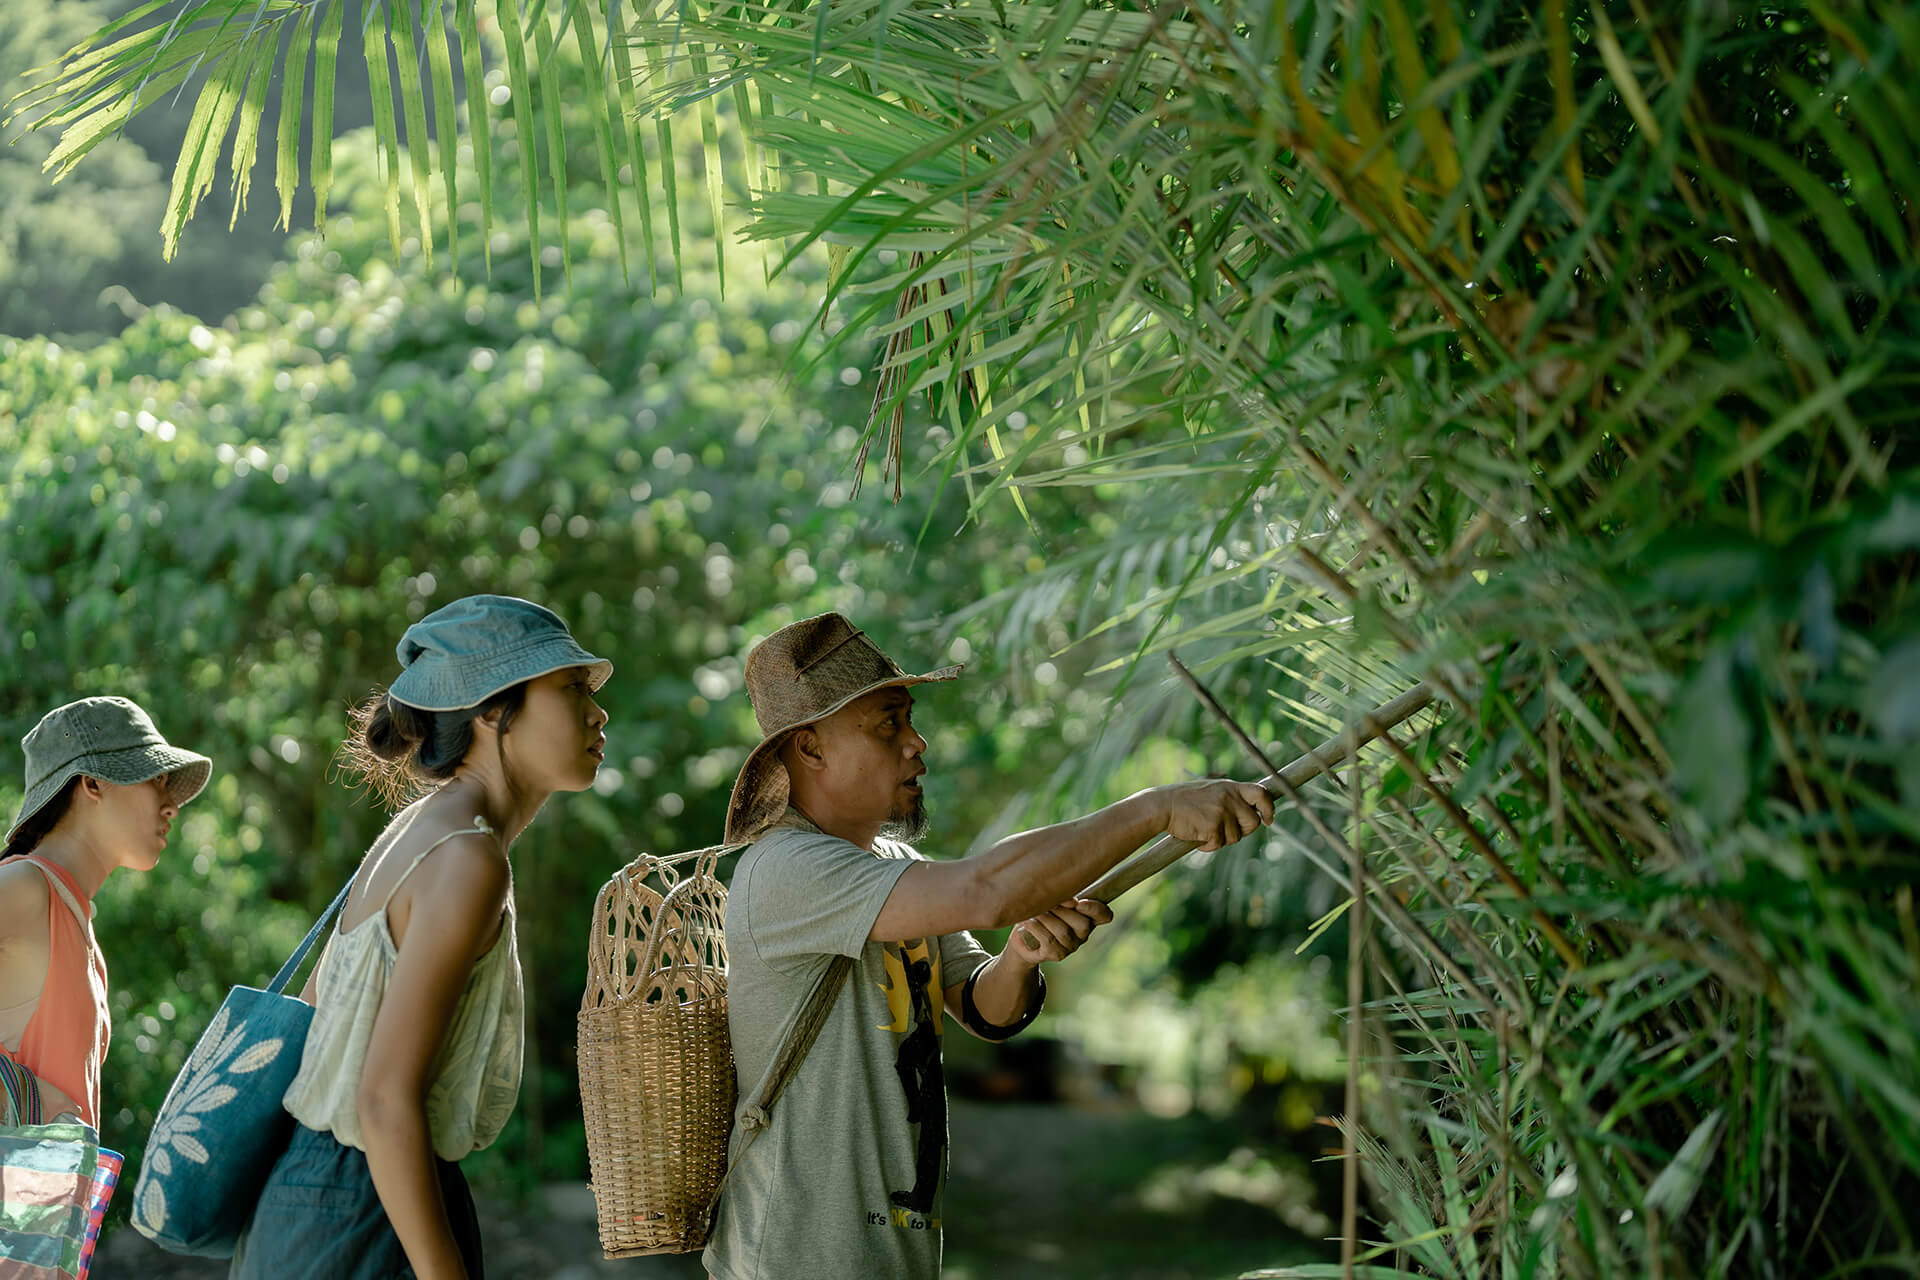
59, 250
80, 257
1554, 354
233, 523
229, 52
1551, 355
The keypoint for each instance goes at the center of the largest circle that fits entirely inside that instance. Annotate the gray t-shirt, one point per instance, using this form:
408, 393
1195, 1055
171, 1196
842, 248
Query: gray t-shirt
846, 1181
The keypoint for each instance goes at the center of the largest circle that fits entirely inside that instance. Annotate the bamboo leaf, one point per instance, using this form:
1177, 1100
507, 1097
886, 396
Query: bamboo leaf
552, 109
88, 81
710, 141
629, 112
226, 22
90, 99
246, 134
521, 90
326, 56
286, 166
602, 133
663, 135
413, 105
200, 151
88, 132
386, 132
479, 129
439, 36
100, 38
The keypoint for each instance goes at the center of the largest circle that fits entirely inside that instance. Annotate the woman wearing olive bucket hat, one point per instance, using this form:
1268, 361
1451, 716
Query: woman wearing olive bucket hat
413, 1058
102, 790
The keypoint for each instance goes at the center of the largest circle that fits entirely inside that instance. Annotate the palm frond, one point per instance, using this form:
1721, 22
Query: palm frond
231, 51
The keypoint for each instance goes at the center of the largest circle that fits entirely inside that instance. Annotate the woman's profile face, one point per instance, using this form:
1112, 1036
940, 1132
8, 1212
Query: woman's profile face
133, 819
557, 741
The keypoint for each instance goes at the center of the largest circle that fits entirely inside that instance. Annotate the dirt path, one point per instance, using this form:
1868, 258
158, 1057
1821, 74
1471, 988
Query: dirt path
1047, 1191
1035, 1192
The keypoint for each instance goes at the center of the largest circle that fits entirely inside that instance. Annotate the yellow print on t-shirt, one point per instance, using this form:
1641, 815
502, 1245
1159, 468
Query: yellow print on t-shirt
899, 959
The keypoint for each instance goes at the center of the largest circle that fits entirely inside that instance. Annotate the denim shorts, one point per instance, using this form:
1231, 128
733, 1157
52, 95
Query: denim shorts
319, 1218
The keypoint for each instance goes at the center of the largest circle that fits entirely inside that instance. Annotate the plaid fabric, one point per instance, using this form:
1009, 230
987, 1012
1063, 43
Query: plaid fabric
47, 1175
105, 1178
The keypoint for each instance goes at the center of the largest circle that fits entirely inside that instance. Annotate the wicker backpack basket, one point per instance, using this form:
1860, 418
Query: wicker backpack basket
656, 1067
656, 1061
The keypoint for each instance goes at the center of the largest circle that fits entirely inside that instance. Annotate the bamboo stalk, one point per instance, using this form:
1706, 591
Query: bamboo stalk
1166, 851
1356, 1033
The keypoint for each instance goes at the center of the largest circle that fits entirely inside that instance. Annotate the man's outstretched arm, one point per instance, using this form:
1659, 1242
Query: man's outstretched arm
1028, 874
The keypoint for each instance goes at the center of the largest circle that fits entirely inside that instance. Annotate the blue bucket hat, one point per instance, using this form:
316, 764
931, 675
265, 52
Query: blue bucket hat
463, 653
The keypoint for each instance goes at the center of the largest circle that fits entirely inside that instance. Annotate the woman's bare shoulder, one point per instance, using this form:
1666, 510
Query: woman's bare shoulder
23, 901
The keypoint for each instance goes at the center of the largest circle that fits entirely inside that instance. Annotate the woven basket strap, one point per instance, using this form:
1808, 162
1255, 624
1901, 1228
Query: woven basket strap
786, 1063
711, 855
800, 1038
700, 880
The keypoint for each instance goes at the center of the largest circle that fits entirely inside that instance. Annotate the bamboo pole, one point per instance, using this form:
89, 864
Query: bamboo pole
1166, 851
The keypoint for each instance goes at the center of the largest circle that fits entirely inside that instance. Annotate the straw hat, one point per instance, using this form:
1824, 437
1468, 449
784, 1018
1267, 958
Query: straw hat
107, 738
800, 675
463, 653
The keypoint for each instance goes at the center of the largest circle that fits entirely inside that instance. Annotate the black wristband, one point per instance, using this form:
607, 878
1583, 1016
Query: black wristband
970, 1012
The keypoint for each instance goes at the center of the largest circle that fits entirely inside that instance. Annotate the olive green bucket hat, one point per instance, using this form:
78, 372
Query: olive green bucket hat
107, 738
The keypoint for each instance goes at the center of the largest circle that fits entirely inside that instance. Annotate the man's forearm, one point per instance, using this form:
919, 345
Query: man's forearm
1036, 870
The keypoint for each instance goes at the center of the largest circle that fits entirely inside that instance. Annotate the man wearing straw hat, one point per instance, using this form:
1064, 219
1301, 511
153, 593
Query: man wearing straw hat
845, 1175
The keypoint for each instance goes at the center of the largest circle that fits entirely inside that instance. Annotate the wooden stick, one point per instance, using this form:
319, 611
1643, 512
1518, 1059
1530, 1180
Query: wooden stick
1166, 851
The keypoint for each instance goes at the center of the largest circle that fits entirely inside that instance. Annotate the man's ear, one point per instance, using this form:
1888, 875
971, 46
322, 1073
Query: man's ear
803, 749
91, 787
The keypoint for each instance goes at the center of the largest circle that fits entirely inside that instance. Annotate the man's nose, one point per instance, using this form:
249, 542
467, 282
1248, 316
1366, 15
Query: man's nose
916, 745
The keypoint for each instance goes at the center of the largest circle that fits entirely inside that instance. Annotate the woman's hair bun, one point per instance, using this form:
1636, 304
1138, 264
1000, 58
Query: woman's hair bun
393, 729
382, 747
399, 752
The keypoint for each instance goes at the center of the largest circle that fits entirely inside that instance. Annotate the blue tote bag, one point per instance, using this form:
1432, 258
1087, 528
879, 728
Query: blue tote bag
222, 1128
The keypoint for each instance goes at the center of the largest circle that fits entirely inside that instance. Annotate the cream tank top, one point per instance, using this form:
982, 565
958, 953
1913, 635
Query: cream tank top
476, 1078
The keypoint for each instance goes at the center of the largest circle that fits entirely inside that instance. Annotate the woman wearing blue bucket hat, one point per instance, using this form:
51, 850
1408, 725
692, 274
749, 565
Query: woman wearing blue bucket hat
413, 1058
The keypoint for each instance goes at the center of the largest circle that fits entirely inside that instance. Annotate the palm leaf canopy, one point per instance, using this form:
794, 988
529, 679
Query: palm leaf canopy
1551, 352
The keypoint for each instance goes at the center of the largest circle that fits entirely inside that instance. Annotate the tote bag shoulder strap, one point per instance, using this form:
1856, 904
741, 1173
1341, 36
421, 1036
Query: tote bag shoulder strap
287, 970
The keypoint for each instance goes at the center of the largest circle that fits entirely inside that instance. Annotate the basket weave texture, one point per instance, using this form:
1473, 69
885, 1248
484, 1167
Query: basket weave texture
656, 1064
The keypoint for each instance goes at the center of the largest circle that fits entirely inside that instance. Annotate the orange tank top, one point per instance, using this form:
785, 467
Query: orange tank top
65, 1042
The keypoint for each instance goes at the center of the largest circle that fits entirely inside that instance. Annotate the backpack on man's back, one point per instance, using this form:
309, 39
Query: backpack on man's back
657, 1085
